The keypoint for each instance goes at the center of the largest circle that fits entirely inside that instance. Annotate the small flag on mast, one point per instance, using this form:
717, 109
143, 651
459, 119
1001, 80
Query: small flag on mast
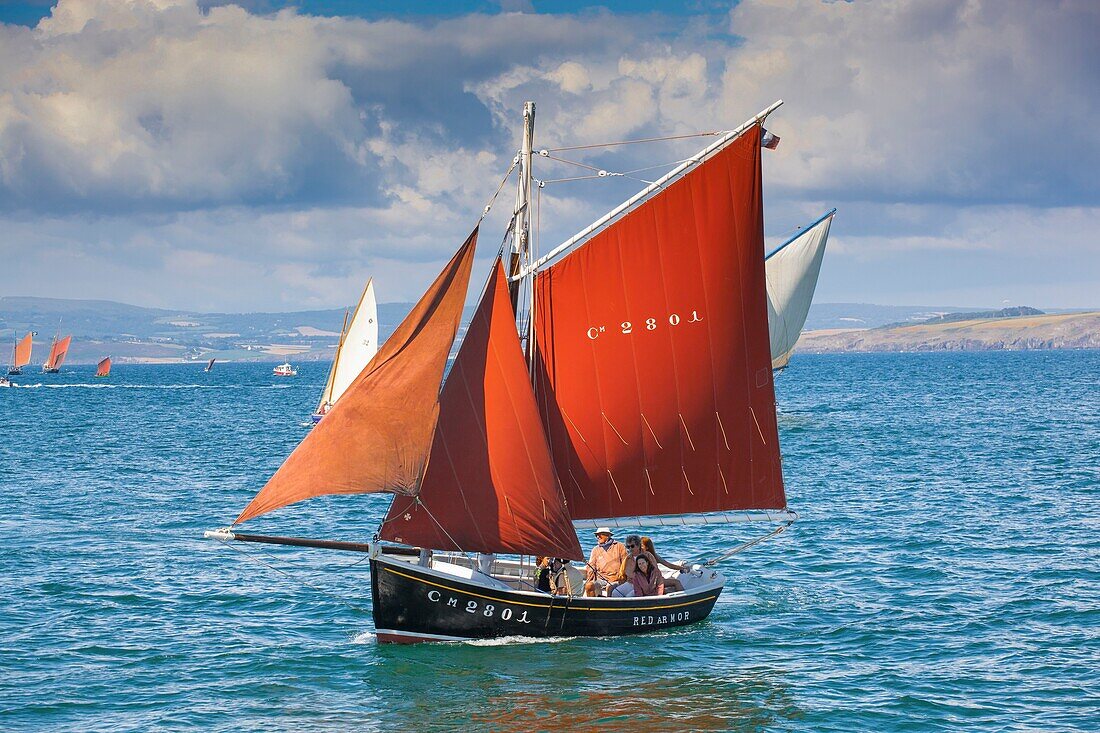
769, 140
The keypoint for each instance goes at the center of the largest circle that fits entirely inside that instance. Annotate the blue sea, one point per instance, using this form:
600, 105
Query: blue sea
944, 575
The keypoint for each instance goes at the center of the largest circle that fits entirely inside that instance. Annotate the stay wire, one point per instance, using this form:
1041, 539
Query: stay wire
747, 545
500, 187
635, 142
323, 591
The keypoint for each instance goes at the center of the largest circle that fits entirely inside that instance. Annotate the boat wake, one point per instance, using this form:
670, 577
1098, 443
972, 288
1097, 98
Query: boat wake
514, 640
369, 637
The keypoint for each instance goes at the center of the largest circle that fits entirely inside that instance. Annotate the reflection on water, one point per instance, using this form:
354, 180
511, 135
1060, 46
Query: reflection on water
652, 683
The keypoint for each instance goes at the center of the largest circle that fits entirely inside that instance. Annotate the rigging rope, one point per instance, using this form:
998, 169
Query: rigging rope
634, 142
603, 173
747, 545
493, 198
306, 583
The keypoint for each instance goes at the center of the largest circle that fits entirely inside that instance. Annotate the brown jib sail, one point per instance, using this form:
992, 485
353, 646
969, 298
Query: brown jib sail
103, 369
654, 368
376, 438
489, 485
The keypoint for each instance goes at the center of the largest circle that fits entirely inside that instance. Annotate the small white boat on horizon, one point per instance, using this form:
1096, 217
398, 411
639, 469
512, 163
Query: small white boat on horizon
285, 370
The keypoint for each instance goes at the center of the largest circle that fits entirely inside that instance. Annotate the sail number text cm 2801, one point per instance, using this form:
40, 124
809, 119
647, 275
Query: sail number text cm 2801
649, 324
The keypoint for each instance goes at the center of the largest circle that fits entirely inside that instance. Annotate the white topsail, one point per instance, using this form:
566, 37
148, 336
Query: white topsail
358, 346
791, 272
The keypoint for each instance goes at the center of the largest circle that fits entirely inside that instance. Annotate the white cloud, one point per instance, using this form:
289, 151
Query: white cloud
283, 157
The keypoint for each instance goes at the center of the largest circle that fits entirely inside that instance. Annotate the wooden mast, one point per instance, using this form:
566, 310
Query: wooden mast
521, 225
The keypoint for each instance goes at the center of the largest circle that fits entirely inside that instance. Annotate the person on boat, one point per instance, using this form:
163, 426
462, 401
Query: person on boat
605, 564
635, 550
672, 584
646, 579
542, 574
565, 580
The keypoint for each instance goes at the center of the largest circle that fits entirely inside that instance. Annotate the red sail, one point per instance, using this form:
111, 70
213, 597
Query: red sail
377, 437
490, 483
103, 369
58, 352
22, 356
655, 376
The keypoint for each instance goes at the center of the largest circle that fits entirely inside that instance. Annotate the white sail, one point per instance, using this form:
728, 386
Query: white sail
791, 272
358, 346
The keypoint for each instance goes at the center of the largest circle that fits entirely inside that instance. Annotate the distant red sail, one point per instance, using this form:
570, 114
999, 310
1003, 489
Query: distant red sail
489, 485
654, 366
58, 352
377, 437
103, 369
22, 355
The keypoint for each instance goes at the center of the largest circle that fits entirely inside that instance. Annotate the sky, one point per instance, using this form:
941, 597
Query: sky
269, 156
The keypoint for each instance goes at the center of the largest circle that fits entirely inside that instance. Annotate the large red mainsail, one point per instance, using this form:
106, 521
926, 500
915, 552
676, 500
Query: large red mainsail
489, 485
377, 436
654, 367
22, 355
57, 353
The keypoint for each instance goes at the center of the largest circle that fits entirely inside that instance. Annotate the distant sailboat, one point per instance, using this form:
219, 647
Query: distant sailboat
58, 350
358, 345
209, 365
792, 270
21, 354
104, 368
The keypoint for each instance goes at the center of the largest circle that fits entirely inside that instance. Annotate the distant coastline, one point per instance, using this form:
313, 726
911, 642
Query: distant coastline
1019, 333
137, 335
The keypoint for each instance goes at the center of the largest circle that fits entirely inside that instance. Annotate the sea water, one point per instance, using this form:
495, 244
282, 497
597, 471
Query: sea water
943, 574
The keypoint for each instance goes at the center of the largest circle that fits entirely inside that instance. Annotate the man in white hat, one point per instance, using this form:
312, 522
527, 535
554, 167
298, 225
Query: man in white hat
605, 564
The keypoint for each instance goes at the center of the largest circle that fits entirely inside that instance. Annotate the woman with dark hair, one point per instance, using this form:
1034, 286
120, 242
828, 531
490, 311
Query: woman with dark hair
646, 580
542, 574
672, 584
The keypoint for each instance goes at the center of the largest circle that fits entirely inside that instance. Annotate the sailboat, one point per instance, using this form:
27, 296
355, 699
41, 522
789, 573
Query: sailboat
792, 270
103, 369
358, 345
644, 397
21, 354
58, 349
209, 365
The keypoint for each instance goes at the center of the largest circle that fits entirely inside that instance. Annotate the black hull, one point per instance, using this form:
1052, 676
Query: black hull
412, 605
52, 371
14, 372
